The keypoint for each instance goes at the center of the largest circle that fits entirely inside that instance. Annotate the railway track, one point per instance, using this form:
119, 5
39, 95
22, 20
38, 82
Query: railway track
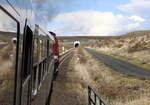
62, 58
65, 56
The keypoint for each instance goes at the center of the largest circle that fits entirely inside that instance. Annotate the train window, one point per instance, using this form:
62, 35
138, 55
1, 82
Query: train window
35, 54
36, 44
34, 82
27, 52
8, 42
47, 63
34, 76
45, 46
43, 50
43, 63
39, 73
45, 66
51, 48
40, 50
43, 37
48, 53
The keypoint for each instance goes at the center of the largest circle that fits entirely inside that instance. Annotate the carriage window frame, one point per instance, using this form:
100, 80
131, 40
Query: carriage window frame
17, 51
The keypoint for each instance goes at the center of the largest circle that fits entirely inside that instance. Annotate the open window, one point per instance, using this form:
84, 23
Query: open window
26, 65
27, 52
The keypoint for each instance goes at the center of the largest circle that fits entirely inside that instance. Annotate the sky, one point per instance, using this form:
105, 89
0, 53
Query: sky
93, 17
101, 17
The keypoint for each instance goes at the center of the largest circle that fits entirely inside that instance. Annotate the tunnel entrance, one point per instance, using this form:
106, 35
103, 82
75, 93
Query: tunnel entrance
76, 44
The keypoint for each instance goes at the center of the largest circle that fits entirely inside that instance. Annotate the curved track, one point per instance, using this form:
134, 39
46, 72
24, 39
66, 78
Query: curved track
121, 66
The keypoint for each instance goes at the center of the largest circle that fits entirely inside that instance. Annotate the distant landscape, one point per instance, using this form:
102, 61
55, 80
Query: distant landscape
133, 47
116, 88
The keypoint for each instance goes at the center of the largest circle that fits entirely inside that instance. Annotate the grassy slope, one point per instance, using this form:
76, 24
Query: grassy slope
116, 88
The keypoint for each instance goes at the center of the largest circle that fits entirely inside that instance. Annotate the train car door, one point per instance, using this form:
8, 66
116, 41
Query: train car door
26, 66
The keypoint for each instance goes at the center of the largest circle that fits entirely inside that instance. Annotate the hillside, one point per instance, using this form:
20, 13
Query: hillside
133, 47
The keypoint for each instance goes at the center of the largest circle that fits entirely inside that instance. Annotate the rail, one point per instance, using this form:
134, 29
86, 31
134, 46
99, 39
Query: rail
64, 55
94, 98
62, 58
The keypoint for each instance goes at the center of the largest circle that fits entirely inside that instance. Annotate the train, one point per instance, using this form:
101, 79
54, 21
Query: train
29, 55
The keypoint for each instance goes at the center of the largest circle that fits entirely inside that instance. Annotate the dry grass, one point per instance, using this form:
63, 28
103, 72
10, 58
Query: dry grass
141, 100
116, 88
132, 48
85, 71
7, 74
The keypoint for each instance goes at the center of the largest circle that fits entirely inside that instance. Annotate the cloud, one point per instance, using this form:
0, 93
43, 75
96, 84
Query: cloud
137, 7
133, 25
137, 18
96, 23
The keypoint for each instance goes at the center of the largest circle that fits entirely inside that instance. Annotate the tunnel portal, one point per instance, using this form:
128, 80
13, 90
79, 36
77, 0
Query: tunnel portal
76, 44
